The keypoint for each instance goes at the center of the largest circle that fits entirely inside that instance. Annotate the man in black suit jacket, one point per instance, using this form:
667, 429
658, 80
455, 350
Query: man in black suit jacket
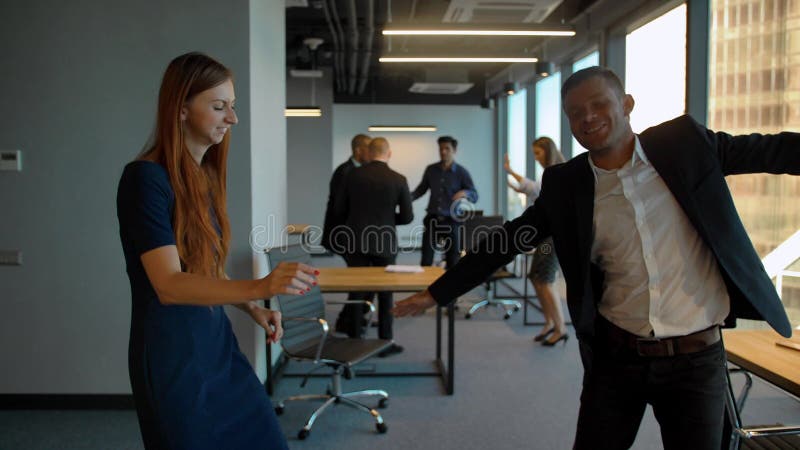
369, 203
655, 259
334, 233
359, 146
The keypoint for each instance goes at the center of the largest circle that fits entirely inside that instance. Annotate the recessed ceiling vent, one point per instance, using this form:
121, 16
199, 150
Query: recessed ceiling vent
499, 11
440, 88
442, 81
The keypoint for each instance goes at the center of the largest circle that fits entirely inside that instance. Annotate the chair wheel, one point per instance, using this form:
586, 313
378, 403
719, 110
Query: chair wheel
279, 410
382, 428
506, 316
302, 434
383, 402
516, 308
467, 316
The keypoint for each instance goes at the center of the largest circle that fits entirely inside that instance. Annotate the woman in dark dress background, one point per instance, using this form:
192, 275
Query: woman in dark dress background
545, 263
192, 386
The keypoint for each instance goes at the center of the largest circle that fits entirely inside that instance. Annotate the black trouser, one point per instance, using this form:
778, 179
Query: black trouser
440, 229
687, 393
352, 315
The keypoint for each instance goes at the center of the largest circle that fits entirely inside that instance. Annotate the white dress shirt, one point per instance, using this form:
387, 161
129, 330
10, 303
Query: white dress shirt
530, 188
661, 280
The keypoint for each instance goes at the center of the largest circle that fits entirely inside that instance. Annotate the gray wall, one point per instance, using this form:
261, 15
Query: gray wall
309, 150
81, 87
268, 153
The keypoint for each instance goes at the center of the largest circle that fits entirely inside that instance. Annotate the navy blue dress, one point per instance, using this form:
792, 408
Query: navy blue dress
192, 386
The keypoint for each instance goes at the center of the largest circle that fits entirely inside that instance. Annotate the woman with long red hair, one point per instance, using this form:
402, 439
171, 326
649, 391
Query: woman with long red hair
192, 386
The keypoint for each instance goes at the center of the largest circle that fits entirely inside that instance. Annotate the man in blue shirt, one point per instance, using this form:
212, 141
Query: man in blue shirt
450, 184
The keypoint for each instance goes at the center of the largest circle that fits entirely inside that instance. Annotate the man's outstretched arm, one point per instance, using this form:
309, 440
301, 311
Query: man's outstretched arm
499, 248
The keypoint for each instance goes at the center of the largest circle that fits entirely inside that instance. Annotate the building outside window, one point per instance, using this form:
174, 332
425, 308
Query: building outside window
754, 87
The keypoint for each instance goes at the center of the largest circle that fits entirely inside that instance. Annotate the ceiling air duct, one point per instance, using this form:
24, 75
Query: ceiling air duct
438, 81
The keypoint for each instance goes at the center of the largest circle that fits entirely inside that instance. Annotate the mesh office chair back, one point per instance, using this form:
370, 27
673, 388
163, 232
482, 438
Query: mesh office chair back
298, 336
306, 338
476, 229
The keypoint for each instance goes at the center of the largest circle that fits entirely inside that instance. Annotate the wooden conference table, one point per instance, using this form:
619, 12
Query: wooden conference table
374, 279
757, 352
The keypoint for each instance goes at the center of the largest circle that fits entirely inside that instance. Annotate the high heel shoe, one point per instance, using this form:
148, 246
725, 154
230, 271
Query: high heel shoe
549, 343
541, 336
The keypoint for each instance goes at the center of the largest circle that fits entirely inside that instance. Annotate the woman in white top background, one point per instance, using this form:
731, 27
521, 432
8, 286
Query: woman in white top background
543, 268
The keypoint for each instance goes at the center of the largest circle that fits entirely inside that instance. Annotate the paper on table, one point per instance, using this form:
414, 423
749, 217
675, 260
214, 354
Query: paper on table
404, 268
789, 344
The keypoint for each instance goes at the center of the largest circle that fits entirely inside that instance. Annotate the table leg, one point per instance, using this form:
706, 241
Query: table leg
438, 332
451, 338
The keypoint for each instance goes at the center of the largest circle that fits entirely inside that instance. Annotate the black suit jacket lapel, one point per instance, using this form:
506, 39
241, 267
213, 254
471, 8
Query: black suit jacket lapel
668, 165
584, 210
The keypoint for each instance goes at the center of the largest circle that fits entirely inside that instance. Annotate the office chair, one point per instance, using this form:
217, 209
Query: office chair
474, 230
306, 338
776, 437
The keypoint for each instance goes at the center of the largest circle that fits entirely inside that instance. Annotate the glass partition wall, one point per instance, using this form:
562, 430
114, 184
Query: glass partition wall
548, 112
592, 59
655, 69
517, 148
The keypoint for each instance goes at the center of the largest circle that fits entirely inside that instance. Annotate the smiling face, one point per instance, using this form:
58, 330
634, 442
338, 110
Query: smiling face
599, 115
208, 116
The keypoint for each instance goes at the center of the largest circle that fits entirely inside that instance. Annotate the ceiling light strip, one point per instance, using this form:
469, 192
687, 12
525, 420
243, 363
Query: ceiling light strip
402, 128
389, 59
302, 112
477, 33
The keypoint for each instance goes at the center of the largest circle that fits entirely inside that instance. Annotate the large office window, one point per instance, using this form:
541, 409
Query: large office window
517, 147
592, 59
754, 87
548, 112
655, 69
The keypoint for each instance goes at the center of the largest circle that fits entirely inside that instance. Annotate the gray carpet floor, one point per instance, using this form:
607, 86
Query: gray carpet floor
509, 394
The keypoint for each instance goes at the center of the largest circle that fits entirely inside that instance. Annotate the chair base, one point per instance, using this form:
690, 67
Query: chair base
335, 395
508, 306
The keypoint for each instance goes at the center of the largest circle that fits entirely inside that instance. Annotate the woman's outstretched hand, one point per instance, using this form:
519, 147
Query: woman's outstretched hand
506, 163
288, 278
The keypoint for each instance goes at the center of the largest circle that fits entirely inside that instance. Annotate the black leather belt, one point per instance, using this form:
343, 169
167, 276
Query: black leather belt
655, 347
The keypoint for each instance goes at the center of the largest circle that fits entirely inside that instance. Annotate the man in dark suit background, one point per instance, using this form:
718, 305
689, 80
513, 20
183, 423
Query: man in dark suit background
359, 146
374, 200
655, 259
335, 236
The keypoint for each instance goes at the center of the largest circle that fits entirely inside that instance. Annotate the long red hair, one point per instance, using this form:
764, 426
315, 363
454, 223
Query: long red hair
199, 190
